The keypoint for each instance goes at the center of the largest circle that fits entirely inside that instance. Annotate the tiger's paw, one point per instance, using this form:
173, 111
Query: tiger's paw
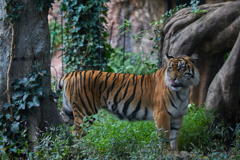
183, 154
177, 154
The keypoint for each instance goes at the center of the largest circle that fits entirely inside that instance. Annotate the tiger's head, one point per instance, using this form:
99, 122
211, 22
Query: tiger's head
181, 72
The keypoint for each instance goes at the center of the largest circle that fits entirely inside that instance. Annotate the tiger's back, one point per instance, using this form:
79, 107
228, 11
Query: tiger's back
128, 96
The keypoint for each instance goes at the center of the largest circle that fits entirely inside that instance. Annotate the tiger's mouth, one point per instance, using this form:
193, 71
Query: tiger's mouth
175, 84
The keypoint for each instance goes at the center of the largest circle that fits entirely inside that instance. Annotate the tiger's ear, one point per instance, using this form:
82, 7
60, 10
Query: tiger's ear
194, 58
168, 57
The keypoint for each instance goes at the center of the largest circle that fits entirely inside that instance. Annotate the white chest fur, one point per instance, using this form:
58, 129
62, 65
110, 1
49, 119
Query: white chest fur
179, 103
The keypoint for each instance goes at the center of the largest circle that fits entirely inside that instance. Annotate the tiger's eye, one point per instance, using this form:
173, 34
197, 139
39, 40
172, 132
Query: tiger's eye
182, 68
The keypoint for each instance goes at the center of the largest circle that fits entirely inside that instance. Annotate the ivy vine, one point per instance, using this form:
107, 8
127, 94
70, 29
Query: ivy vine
85, 42
27, 92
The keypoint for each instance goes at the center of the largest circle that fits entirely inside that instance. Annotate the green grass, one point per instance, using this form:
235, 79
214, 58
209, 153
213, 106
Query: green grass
116, 138
111, 138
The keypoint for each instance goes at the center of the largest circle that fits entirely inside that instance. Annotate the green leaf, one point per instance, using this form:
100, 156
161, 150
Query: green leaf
44, 72
36, 101
17, 117
33, 78
16, 84
34, 85
21, 106
26, 94
15, 127
8, 116
17, 95
24, 81
6, 105
38, 91
30, 104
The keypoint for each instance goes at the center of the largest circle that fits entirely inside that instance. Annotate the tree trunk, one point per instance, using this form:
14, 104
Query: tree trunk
31, 45
140, 14
210, 34
223, 94
5, 39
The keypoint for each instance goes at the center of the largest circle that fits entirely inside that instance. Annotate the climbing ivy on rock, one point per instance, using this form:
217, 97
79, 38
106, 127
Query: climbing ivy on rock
85, 41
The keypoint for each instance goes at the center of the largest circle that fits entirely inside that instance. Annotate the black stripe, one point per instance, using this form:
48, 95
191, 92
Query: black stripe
119, 114
134, 113
107, 76
77, 114
193, 72
113, 83
77, 127
125, 92
94, 104
173, 139
145, 114
166, 107
99, 89
116, 94
123, 78
174, 128
134, 79
176, 124
160, 71
142, 79
72, 74
172, 104
170, 92
89, 82
70, 84
84, 88
146, 79
178, 96
115, 99
81, 84
126, 104
60, 81
76, 83
97, 76
84, 105
68, 113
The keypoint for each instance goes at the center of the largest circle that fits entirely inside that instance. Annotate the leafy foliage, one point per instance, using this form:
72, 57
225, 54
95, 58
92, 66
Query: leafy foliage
201, 133
195, 8
55, 29
140, 63
14, 8
27, 92
86, 35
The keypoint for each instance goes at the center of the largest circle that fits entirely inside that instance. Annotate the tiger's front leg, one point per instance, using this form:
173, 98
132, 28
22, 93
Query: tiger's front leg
171, 125
78, 130
162, 121
175, 126
80, 125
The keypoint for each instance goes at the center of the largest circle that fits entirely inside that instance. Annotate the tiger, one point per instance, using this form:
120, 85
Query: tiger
161, 96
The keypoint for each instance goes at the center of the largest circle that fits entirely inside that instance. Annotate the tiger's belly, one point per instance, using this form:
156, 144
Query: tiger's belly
132, 111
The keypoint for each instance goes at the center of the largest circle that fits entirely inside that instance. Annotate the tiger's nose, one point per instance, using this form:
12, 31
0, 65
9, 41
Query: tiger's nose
172, 81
